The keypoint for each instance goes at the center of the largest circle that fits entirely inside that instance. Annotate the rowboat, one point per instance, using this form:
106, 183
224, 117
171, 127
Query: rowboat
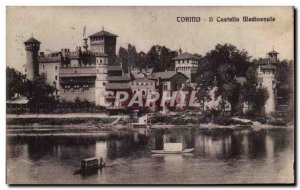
90, 166
189, 150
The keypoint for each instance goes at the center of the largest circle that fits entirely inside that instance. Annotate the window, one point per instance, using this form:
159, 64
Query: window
55, 77
43, 66
55, 67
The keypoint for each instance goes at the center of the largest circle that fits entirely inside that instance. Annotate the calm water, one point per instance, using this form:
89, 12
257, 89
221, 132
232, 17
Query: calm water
221, 156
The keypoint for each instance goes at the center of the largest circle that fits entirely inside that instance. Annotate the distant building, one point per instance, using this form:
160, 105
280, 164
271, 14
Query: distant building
266, 73
187, 64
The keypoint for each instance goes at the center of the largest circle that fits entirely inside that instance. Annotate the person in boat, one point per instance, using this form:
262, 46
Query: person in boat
102, 164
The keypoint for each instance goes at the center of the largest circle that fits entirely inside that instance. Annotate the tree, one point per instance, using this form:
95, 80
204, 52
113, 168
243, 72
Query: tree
160, 58
15, 83
260, 98
40, 93
249, 87
123, 57
225, 63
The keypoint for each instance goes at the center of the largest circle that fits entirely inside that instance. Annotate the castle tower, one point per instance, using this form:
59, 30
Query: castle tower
32, 47
101, 78
272, 56
104, 42
85, 45
267, 75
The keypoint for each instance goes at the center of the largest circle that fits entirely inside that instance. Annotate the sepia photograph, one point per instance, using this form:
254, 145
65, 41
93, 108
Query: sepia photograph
162, 95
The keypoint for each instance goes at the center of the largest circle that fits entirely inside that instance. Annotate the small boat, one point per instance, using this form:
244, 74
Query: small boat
90, 166
189, 150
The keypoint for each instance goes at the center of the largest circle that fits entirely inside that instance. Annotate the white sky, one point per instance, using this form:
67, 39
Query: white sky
62, 27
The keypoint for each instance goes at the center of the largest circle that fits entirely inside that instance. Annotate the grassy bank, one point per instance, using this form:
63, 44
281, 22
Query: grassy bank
194, 118
57, 121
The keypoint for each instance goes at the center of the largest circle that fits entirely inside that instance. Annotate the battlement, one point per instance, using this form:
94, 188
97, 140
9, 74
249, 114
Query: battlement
32, 47
50, 58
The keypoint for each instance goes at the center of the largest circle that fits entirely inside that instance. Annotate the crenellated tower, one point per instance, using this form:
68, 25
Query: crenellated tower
32, 47
104, 42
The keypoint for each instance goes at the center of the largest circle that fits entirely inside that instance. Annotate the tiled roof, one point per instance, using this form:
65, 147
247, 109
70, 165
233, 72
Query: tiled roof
116, 86
263, 61
186, 56
268, 66
31, 40
273, 52
125, 77
165, 75
142, 80
115, 68
103, 33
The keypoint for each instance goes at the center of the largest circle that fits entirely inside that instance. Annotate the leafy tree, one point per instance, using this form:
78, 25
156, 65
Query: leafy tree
160, 58
15, 83
40, 93
260, 97
225, 62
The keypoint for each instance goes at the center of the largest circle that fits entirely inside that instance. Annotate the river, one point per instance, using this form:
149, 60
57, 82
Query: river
222, 156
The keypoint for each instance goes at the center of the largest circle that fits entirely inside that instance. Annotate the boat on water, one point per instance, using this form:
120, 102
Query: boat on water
173, 148
189, 150
90, 166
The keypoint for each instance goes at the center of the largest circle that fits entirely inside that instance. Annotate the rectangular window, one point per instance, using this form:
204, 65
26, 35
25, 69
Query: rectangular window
55, 67
43, 66
55, 77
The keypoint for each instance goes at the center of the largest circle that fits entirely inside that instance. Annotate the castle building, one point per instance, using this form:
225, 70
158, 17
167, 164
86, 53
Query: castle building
266, 73
32, 47
187, 64
81, 74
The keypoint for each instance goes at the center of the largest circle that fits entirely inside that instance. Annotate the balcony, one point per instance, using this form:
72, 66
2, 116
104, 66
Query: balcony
77, 71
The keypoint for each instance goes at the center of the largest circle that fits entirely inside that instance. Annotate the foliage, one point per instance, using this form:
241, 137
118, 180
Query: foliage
158, 57
223, 64
15, 83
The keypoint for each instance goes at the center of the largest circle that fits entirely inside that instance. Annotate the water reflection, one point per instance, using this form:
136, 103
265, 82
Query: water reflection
133, 148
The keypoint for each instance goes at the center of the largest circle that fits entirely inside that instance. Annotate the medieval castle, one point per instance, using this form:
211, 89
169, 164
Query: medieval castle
90, 70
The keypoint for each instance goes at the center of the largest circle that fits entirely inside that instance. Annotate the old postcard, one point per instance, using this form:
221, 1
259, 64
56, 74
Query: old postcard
150, 95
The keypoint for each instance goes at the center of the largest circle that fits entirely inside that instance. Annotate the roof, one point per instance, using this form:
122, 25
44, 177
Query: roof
142, 80
117, 78
90, 159
32, 40
186, 56
273, 52
262, 61
116, 86
77, 71
268, 66
165, 74
103, 33
115, 68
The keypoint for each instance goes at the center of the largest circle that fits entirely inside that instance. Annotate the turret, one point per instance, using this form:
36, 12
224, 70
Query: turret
101, 78
32, 47
85, 45
268, 80
104, 42
272, 56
